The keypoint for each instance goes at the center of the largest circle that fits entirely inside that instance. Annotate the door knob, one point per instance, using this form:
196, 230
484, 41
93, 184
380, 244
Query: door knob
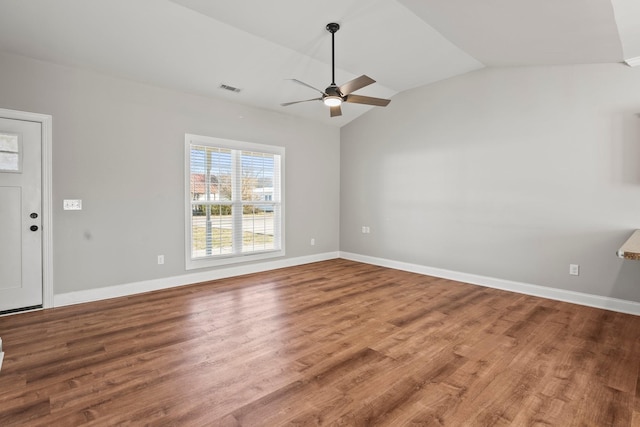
33, 215
33, 228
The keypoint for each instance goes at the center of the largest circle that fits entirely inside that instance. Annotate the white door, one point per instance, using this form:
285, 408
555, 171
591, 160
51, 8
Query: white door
20, 214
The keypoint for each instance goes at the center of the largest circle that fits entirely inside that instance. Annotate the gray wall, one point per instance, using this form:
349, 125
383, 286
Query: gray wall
511, 173
118, 145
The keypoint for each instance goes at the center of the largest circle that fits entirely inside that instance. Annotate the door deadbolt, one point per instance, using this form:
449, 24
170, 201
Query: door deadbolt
34, 215
33, 228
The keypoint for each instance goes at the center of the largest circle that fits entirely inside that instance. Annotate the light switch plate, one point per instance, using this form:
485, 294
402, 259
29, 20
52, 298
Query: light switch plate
72, 205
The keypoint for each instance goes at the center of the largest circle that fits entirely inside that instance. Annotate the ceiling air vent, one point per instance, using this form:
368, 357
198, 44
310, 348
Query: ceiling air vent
230, 88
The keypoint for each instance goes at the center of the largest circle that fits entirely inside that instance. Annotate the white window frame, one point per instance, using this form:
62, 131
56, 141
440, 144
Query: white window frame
279, 229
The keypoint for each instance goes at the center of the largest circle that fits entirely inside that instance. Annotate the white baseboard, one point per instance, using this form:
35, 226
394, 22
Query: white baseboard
89, 295
614, 304
126, 289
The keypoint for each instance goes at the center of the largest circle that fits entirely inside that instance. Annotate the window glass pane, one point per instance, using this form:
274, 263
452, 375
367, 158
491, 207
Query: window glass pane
257, 230
210, 173
9, 162
8, 142
257, 176
211, 230
9, 153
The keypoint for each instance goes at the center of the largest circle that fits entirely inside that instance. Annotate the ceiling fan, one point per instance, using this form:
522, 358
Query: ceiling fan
335, 95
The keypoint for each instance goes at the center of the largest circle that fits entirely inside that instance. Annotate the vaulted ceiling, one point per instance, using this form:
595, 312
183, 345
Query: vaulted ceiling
255, 45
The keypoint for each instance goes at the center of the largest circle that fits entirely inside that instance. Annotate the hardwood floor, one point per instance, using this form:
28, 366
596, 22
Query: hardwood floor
330, 343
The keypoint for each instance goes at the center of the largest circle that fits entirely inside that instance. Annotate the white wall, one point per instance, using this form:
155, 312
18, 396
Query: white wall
118, 145
510, 173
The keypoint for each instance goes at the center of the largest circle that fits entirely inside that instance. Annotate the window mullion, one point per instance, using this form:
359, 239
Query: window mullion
236, 198
207, 186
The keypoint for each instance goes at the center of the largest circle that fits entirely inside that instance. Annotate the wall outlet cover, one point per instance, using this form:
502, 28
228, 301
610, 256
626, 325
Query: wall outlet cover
574, 269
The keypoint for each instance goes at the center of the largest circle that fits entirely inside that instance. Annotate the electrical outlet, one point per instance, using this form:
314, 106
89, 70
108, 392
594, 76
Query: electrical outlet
313, 241
574, 269
366, 229
160, 259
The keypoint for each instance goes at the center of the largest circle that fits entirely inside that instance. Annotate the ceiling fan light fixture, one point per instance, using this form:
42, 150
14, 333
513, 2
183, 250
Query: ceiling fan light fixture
332, 101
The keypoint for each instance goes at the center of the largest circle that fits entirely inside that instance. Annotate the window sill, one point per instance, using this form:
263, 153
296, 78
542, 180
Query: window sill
192, 264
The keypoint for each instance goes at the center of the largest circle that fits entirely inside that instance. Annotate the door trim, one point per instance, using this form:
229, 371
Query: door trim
45, 121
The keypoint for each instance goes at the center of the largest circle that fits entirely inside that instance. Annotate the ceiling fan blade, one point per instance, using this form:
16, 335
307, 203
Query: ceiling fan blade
335, 111
355, 84
359, 99
297, 102
307, 85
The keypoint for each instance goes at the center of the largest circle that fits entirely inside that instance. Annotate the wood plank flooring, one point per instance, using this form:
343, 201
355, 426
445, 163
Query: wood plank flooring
334, 343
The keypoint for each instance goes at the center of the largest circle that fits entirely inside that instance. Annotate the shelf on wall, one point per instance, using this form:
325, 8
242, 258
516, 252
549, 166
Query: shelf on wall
631, 248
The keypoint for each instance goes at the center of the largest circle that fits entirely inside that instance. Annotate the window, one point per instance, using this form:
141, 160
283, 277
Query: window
234, 201
9, 153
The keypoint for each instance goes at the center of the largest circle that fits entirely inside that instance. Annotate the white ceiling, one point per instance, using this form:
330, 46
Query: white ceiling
256, 45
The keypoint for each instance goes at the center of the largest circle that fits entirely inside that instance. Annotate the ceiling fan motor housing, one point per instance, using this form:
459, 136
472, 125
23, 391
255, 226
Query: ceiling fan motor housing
333, 91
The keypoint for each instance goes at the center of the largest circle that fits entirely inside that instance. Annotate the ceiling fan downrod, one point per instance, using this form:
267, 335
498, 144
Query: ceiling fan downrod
332, 28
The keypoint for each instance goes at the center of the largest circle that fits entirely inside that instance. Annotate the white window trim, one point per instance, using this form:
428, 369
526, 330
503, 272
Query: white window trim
192, 263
